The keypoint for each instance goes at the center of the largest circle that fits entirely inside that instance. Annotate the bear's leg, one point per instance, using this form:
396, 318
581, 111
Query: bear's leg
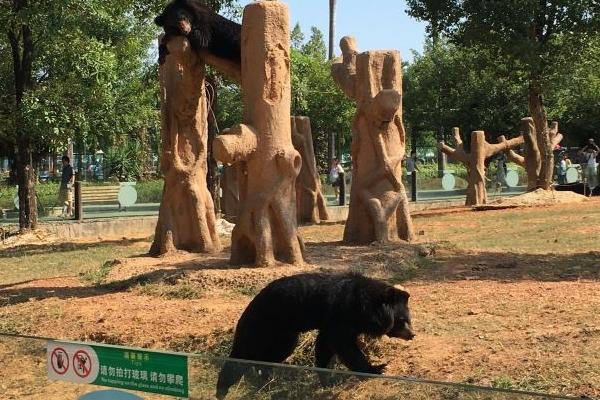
275, 348
352, 356
257, 345
229, 375
324, 354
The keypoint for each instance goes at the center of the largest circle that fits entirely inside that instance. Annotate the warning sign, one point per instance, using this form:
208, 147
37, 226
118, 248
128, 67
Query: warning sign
59, 360
71, 362
120, 367
82, 363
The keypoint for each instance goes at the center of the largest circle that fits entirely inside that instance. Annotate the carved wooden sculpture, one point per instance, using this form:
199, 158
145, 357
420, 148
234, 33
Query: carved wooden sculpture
475, 161
266, 230
532, 162
186, 218
378, 202
311, 205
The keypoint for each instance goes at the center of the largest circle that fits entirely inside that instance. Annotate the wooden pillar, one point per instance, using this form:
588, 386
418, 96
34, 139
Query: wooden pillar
378, 202
186, 218
266, 231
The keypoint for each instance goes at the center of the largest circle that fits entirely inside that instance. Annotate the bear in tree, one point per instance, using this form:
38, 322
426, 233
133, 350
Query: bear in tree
204, 28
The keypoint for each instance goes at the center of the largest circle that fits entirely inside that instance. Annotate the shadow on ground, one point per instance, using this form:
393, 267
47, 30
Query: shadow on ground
395, 263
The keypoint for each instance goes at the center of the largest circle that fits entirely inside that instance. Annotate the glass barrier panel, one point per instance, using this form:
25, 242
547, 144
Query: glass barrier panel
27, 362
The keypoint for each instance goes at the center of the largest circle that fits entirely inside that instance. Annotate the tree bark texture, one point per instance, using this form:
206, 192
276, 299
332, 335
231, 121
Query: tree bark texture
266, 230
475, 161
378, 202
186, 218
311, 204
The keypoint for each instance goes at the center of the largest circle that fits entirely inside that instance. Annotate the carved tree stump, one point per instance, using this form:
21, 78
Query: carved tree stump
186, 218
378, 202
311, 205
532, 162
475, 161
266, 230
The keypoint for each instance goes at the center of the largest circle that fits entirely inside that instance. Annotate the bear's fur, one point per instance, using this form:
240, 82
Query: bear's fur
340, 306
204, 28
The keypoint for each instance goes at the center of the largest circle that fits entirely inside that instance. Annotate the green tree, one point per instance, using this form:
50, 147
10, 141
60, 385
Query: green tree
469, 89
75, 74
537, 38
314, 94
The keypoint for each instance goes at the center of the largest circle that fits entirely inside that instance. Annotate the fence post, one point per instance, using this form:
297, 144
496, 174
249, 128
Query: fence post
78, 203
342, 189
413, 186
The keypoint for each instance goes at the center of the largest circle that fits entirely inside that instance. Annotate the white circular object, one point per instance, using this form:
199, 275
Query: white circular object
512, 178
448, 182
127, 196
572, 175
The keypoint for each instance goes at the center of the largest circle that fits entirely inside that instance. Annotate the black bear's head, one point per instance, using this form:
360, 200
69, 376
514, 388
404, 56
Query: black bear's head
176, 19
397, 301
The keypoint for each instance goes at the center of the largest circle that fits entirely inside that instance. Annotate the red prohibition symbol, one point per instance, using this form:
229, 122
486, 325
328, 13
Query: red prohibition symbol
82, 364
59, 359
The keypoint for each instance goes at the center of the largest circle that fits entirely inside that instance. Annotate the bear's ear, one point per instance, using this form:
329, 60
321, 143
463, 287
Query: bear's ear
396, 294
160, 20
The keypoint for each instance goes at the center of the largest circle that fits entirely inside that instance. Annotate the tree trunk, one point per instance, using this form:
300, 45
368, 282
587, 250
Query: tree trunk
266, 230
212, 174
544, 143
475, 161
378, 202
332, 5
186, 219
26, 181
20, 38
311, 205
333, 139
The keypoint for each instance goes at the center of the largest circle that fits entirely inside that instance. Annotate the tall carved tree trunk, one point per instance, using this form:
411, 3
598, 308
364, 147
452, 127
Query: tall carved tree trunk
21, 42
186, 218
266, 230
378, 201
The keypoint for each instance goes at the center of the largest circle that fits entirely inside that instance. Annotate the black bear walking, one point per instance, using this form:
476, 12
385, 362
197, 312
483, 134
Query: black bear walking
340, 306
205, 30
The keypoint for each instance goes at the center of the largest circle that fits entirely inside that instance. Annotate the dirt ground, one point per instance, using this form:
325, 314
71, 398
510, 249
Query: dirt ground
504, 298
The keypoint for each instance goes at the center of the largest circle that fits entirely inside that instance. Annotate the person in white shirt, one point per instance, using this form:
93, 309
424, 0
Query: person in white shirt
589, 153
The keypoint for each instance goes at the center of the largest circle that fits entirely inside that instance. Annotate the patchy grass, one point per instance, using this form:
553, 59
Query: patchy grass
568, 228
29, 262
181, 291
98, 276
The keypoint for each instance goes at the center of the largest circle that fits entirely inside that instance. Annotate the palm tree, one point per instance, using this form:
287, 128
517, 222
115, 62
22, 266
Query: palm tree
331, 27
332, 136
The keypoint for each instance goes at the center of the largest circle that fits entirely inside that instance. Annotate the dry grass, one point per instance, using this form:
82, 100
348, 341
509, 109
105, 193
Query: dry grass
501, 298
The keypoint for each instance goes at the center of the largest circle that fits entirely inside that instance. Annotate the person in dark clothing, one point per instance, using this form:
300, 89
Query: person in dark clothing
66, 184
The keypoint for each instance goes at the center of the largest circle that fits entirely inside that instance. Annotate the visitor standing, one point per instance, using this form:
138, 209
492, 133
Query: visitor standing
411, 163
336, 175
589, 153
65, 194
